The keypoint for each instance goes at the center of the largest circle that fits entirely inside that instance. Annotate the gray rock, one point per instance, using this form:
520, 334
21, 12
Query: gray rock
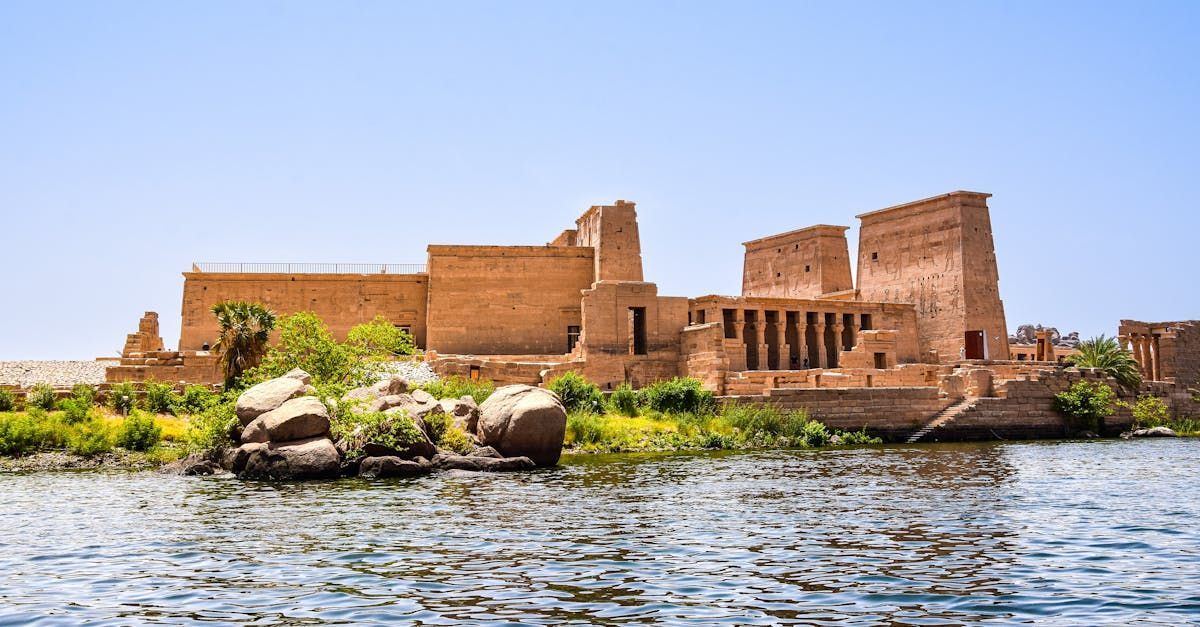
448, 461
486, 451
384, 403
314, 458
464, 411
1156, 432
524, 421
297, 419
299, 375
387, 387
266, 396
382, 467
235, 459
196, 464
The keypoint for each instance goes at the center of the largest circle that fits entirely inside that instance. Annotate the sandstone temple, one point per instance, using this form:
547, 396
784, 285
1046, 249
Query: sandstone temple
923, 327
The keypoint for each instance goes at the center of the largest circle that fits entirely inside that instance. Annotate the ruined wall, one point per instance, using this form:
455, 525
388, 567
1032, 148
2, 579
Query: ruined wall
505, 300
613, 231
702, 355
937, 254
609, 345
167, 366
890, 413
1166, 351
341, 300
146, 338
799, 264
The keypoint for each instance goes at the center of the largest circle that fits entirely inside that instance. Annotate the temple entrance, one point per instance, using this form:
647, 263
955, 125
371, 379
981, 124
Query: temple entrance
973, 345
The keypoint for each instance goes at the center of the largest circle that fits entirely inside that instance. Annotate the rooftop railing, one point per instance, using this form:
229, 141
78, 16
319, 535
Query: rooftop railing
308, 268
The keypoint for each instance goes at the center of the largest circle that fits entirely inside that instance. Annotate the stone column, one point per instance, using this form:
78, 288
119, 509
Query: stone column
1142, 354
785, 352
760, 334
801, 341
856, 320
820, 328
1124, 341
1156, 362
839, 343
739, 326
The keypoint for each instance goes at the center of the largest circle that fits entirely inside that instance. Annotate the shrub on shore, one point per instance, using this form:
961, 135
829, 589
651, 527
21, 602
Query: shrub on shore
679, 395
1150, 411
41, 396
194, 400
623, 401
1086, 404
577, 393
459, 386
138, 432
8, 400
395, 430
93, 437
122, 397
158, 398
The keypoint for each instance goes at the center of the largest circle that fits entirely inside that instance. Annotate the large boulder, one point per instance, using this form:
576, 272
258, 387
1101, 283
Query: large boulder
384, 403
297, 419
522, 420
449, 461
1155, 432
235, 458
464, 412
314, 458
381, 467
266, 396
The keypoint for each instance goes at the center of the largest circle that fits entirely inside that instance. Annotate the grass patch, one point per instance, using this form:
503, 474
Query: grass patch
459, 386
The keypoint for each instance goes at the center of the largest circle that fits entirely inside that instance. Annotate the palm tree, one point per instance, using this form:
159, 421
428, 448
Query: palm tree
245, 330
1104, 353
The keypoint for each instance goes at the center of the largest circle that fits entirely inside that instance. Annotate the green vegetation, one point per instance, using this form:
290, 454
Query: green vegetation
245, 329
679, 395
577, 393
1150, 411
158, 398
194, 400
93, 437
1104, 353
457, 440
211, 427
459, 386
84, 393
380, 339
680, 414
8, 400
1086, 404
41, 396
395, 430
122, 397
139, 432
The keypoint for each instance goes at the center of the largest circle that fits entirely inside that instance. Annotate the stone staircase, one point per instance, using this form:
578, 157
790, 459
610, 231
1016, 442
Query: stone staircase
943, 417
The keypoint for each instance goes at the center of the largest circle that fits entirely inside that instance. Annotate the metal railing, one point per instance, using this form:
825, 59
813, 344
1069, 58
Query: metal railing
308, 268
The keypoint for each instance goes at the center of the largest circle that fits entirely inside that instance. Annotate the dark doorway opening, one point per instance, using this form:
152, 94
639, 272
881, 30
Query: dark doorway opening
637, 316
973, 345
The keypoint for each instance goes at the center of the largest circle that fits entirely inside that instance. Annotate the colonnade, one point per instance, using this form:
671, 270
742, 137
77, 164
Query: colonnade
818, 336
1145, 349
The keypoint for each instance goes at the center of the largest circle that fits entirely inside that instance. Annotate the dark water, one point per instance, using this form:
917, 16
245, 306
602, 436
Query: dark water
1058, 533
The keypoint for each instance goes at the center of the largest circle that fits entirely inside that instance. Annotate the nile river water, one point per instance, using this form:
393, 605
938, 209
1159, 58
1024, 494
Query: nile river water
1061, 533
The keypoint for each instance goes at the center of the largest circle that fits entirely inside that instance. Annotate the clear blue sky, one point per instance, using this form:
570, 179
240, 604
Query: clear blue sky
137, 137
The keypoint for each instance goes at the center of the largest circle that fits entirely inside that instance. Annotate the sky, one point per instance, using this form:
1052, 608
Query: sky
139, 137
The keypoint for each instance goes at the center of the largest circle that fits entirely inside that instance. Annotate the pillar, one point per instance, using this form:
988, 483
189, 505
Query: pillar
838, 330
1157, 360
820, 328
856, 321
739, 326
801, 340
785, 351
760, 335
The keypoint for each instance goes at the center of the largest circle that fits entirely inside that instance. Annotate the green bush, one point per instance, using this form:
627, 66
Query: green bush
459, 386
93, 437
20, 434
41, 396
395, 430
679, 395
84, 393
1149, 411
210, 428
585, 427
577, 393
761, 420
139, 432
436, 426
623, 401
122, 397
815, 434
8, 400
1086, 404
457, 440
158, 397
75, 410
380, 339
305, 342
194, 400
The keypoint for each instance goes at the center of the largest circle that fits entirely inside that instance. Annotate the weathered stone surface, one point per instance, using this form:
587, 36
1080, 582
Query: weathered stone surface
388, 466
425, 448
1155, 432
235, 459
299, 375
297, 419
266, 396
195, 464
384, 403
388, 387
464, 411
449, 461
486, 451
314, 458
522, 420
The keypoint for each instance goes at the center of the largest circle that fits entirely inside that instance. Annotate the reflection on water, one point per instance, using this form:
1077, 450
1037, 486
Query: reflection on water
1087, 533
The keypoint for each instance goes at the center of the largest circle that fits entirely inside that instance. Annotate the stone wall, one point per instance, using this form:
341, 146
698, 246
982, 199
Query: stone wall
167, 366
702, 355
612, 230
341, 300
611, 349
890, 413
1166, 351
505, 300
805, 263
937, 254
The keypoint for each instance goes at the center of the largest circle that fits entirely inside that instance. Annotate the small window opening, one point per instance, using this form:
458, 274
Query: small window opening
874, 256
572, 337
637, 319
807, 268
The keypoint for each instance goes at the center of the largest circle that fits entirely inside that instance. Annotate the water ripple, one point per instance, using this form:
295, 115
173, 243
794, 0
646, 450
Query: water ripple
1069, 533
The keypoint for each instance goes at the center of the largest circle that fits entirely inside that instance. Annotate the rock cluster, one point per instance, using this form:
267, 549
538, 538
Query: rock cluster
1154, 432
284, 433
